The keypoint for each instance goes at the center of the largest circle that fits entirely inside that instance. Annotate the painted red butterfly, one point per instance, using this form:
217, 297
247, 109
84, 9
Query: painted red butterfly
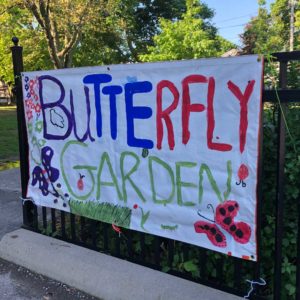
224, 217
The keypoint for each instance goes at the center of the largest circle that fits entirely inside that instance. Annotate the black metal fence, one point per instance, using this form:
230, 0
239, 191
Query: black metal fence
278, 216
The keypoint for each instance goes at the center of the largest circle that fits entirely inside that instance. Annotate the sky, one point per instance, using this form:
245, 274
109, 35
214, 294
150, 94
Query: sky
231, 16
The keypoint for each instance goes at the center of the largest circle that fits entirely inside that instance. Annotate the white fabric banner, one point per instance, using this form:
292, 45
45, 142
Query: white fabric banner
165, 148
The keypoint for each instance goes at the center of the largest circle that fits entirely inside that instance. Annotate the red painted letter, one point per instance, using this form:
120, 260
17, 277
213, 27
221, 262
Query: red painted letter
211, 119
243, 99
165, 114
187, 107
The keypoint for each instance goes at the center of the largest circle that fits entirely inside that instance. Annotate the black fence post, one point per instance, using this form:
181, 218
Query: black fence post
28, 207
280, 192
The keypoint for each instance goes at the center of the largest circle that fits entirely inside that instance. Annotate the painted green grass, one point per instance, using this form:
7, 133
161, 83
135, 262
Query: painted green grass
9, 154
105, 212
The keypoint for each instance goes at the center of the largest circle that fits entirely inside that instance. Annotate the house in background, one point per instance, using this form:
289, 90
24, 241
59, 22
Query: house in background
232, 52
5, 96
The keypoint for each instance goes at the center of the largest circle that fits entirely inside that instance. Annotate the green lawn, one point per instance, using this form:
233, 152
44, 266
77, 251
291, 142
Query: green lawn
9, 155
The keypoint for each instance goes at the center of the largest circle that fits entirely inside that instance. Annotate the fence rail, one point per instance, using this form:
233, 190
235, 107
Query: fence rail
184, 260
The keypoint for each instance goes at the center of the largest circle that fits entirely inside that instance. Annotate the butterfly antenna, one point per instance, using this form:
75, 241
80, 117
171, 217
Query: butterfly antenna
212, 208
199, 214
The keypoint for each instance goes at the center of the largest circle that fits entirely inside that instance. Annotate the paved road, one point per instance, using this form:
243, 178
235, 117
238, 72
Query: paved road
17, 283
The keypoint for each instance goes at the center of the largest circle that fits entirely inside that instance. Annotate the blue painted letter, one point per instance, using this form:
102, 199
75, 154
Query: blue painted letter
97, 79
136, 112
112, 91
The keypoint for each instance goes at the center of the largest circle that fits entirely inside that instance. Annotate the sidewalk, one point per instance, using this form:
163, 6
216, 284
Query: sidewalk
16, 282
10, 203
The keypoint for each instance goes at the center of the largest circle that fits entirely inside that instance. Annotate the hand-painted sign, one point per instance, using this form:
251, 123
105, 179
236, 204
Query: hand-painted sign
165, 148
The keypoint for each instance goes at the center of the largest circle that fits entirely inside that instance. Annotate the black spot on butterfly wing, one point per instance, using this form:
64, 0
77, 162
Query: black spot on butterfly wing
227, 220
231, 208
239, 233
219, 238
222, 211
232, 228
213, 230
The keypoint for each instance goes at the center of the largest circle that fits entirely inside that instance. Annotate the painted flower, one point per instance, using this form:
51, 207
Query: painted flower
31, 83
30, 104
37, 108
38, 126
29, 114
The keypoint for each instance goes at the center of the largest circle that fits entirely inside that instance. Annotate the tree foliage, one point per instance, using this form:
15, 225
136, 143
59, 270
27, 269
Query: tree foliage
126, 32
270, 31
17, 21
193, 36
65, 33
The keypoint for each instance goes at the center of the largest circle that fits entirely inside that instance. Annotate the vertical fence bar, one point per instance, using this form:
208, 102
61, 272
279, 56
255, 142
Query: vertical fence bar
53, 220
185, 251
17, 58
298, 256
35, 218
129, 244
82, 229
105, 237
73, 230
44, 213
237, 273
143, 250
280, 185
94, 233
63, 224
259, 193
170, 252
157, 251
202, 262
118, 247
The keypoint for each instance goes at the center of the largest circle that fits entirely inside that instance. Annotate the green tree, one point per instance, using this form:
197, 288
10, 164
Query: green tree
193, 36
17, 21
270, 31
62, 23
126, 32
56, 33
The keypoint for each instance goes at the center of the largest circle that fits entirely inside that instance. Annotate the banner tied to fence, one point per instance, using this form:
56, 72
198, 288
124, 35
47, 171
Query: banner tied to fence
168, 148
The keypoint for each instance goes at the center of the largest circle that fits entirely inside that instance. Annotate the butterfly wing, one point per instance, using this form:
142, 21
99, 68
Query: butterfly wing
225, 214
47, 154
240, 231
212, 232
38, 177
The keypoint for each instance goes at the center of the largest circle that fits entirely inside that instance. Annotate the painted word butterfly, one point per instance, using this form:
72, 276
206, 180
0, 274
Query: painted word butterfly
224, 218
